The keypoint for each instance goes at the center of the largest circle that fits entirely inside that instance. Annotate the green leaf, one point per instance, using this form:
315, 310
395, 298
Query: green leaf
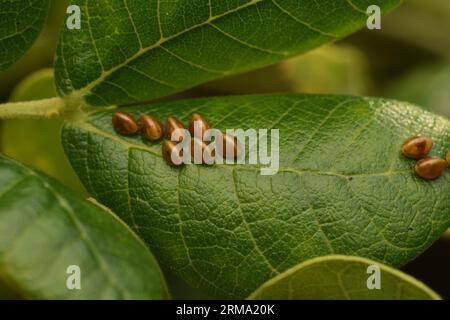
342, 278
45, 228
343, 187
37, 143
42, 52
139, 50
21, 23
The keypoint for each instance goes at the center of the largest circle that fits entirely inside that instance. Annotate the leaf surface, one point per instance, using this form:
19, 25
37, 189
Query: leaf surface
342, 278
45, 228
343, 187
21, 22
133, 51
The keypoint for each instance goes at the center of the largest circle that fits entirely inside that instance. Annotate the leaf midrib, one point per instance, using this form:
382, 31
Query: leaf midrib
254, 168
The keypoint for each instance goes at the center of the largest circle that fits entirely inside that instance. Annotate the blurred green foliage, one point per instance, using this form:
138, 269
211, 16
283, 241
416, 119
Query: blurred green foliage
38, 142
422, 23
340, 69
40, 55
427, 86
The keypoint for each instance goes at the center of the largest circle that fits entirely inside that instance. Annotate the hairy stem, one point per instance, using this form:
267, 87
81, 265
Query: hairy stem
39, 109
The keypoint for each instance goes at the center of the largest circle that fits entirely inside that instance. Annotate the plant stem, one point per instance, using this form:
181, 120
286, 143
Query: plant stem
39, 109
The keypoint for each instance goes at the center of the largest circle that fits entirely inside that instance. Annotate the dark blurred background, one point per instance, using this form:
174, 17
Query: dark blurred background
408, 59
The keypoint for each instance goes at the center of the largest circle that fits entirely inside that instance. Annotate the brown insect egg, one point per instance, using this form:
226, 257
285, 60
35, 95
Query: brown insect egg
173, 124
151, 128
229, 148
124, 123
209, 155
430, 168
172, 153
417, 147
200, 122
198, 146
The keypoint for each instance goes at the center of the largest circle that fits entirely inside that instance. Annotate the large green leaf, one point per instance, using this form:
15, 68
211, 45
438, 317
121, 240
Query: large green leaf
132, 51
342, 277
21, 22
45, 228
343, 187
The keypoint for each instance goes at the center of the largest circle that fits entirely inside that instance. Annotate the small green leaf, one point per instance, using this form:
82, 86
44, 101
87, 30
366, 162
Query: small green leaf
21, 22
342, 277
343, 187
45, 228
129, 52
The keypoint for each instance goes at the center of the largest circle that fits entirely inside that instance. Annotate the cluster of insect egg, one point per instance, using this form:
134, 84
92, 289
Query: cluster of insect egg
429, 168
227, 148
151, 129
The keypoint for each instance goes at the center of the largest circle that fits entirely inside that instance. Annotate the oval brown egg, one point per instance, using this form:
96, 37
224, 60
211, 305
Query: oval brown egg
417, 147
173, 124
197, 148
200, 122
124, 123
171, 153
151, 128
430, 168
229, 147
